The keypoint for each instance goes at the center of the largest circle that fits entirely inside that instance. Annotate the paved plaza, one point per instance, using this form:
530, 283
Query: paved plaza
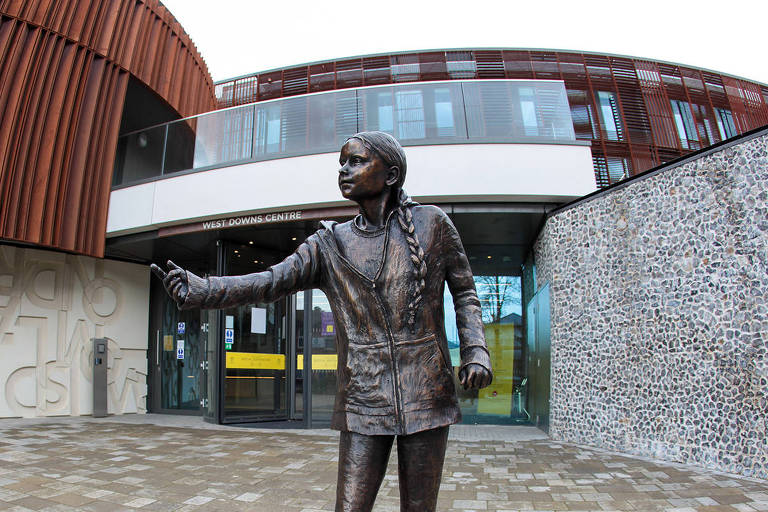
158, 462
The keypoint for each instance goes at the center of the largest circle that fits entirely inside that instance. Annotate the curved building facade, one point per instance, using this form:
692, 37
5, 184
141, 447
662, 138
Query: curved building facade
73, 76
68, 70
636, 113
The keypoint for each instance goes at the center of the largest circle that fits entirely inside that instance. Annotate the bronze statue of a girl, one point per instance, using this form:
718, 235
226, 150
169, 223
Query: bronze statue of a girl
384, 273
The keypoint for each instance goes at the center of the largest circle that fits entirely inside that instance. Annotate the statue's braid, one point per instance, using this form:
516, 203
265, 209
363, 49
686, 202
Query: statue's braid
405, 219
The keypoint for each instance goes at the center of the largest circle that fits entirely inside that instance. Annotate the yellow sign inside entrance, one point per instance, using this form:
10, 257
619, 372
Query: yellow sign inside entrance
497, 398
319, 362
251, 361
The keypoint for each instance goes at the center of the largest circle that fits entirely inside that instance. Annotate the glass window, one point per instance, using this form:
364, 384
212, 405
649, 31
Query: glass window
444, 113
517, 111
255, 362
480, 110
267, 128
611, 169
410, 114
528, 111
182, 342
322, 113
324, 359
710, 134
405, 68
584, 121
220, 137
609, 115
460, 65
294, 124
490, 110
140, 155
686, 129
725, 123
385, 111
504, 400
617, 168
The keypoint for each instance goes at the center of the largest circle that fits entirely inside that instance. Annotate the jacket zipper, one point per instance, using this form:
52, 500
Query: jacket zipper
395, 371
390, 337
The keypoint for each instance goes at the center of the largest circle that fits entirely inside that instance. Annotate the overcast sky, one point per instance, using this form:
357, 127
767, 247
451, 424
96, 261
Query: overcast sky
238, 37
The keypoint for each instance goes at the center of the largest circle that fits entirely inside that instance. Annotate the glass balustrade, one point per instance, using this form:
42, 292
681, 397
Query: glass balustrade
455, 112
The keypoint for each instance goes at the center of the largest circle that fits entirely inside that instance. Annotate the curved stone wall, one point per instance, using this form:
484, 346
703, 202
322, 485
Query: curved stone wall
659, 316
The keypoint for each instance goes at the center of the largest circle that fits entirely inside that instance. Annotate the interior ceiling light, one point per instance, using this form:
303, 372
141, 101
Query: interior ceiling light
250, 242
236, 251
489, 257
293, 238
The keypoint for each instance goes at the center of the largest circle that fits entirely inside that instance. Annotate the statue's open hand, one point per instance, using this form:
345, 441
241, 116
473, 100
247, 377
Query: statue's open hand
175, 281
474, 376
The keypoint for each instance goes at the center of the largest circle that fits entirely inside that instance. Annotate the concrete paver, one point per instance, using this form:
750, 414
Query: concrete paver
169, 463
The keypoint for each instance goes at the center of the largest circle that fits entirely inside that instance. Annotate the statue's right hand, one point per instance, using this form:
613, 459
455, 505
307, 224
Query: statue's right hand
175, 281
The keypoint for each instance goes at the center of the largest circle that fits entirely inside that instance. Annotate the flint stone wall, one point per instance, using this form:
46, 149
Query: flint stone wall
659, 313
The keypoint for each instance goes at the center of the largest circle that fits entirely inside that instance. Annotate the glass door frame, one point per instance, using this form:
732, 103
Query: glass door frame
214, 402
156, 353
213, 392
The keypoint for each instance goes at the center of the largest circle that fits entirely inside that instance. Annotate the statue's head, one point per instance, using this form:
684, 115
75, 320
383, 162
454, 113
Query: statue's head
388, 149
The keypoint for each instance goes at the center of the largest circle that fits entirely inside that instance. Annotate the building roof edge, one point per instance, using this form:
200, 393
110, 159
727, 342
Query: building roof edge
486, 48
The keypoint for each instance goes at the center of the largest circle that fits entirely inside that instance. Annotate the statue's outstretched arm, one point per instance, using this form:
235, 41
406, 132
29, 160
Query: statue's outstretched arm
299, 271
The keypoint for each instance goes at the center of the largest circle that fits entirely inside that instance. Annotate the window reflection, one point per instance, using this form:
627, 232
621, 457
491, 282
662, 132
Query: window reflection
255, 362
528, 111
386, 112
410, 114
444, 120
686, 129
324, 360
504, 401
725, 123
609, 115
457, 112
268, 128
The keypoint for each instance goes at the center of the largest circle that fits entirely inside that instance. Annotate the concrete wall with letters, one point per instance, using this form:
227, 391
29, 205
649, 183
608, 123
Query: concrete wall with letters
51, 306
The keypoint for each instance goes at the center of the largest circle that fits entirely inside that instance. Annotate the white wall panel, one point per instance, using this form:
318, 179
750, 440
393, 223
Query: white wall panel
445, 173
131, 207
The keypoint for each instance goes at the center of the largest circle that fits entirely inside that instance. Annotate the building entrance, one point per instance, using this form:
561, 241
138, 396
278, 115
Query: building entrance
176, 357
255, 363
277, 362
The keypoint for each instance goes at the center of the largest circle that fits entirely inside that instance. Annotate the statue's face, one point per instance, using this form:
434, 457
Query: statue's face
363, 174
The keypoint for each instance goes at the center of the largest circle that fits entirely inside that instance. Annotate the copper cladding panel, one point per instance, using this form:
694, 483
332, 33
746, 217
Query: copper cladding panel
64, 70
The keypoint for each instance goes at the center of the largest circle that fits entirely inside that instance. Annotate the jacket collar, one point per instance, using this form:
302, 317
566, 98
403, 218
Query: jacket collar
329, 238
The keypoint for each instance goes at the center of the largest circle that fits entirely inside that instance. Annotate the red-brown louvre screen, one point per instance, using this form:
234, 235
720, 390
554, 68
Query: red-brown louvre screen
64, 70
655, 111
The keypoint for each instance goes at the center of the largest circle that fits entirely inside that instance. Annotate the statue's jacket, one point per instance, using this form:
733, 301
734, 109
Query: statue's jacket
393, 377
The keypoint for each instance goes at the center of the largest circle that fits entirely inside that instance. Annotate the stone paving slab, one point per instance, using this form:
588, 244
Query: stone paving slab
72, 464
